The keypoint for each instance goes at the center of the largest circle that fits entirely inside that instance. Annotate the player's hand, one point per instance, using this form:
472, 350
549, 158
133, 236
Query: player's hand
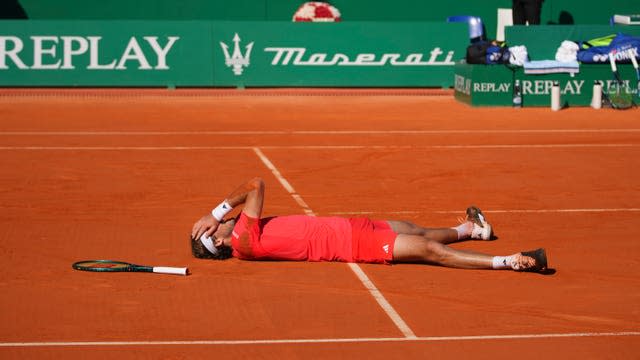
206, 225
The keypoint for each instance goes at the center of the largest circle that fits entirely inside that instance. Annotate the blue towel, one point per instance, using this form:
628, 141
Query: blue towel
551, 67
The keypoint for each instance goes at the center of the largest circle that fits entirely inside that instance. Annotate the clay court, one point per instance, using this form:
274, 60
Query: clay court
123, 175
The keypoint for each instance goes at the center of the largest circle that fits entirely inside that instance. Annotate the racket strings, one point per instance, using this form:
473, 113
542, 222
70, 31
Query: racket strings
621, 99
620, 95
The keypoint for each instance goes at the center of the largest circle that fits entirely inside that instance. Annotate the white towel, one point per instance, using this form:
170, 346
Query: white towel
519, 55
567, 52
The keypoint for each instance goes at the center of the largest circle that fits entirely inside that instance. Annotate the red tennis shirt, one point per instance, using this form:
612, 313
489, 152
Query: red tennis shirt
301, 237
294, 237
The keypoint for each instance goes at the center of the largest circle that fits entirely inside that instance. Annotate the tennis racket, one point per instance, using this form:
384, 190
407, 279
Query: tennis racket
634, 61
120, 266
620, 98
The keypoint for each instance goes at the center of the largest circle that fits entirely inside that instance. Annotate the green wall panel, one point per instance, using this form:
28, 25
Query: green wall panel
233, 54
553, 11
107, 53
345, 54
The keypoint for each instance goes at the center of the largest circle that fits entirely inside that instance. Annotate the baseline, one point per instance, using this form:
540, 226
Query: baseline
315, 341
320, 147
489, 211
315, 132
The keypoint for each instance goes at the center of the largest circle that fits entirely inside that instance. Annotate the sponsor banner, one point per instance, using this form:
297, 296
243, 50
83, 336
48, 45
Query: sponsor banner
337, 54
105, 53
206, 53
575, 90
483, 85
492, 85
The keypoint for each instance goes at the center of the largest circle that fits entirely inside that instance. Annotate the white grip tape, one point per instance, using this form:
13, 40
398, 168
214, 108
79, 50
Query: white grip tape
632, 55
612, 60
170, 270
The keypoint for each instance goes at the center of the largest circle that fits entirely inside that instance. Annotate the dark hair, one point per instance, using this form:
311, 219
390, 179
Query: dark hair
198, 250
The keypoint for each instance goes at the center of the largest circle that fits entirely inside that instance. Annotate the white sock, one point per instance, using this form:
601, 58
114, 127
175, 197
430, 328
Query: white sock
502, 262
464, 230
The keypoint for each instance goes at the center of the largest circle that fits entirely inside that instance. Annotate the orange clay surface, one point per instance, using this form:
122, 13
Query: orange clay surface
123, 175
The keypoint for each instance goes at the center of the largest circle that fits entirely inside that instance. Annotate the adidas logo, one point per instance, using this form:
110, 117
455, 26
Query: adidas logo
386, 249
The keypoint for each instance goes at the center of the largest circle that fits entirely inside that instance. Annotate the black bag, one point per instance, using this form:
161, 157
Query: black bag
486, 52
477, 52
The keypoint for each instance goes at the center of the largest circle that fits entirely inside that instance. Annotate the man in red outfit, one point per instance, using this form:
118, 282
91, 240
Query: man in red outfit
310, 238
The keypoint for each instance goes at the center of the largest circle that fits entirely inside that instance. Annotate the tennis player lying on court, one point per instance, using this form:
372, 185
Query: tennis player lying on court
301, 237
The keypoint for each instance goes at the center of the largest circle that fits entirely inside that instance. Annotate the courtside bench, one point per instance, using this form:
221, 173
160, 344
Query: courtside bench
492, 85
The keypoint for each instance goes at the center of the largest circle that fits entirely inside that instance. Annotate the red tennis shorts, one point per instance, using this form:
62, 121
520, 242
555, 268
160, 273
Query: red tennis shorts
373, 241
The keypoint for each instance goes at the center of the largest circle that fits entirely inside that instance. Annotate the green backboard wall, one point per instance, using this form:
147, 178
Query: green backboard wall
229, 54
553, 11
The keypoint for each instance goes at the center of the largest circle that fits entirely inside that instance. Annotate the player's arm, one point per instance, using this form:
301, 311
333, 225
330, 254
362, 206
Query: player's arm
250, 194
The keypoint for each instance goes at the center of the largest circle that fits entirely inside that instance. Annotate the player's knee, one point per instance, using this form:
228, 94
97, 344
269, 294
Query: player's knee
433, 251
257, 183
407, 227
418, 230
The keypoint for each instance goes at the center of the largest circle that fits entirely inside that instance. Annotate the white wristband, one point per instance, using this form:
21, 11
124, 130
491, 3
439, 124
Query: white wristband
221, 210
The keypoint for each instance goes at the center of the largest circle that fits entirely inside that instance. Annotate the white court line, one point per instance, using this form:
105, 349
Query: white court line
382, 301
377, 295
284, 182
119, 148
512, 211
317, 147
320, 341
555, 210
315, 132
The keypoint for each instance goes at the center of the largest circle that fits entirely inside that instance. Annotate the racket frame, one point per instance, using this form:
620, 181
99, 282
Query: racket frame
634, 61
121, 266
620, 91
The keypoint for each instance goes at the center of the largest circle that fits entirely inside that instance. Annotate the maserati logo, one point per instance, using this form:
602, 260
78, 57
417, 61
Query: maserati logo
237, 61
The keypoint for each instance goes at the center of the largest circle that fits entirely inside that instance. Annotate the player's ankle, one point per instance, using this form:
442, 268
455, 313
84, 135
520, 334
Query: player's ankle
464, 230
503, 262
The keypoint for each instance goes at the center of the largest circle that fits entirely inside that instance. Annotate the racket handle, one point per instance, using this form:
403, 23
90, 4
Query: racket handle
633, 60
170, 270
612, 60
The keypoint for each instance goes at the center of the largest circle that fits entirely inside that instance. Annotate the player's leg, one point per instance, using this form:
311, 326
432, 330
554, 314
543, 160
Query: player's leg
474, 226
417, 249
441, 235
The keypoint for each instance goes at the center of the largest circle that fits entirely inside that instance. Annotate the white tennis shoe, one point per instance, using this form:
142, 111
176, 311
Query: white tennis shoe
481, 228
